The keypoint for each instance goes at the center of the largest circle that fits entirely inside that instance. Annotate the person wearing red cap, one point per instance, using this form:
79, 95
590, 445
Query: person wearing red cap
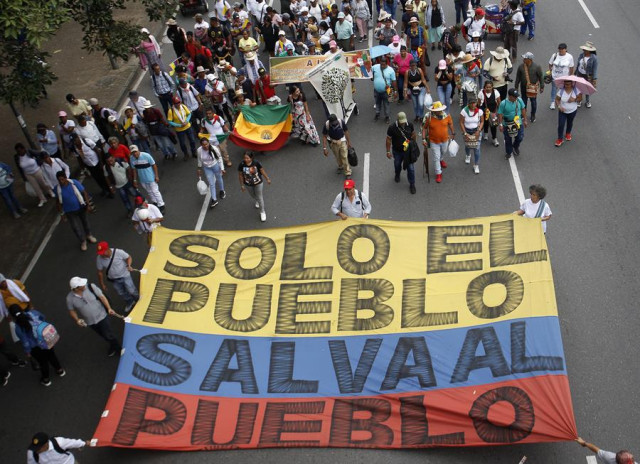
351, 202
114, 264
477, 23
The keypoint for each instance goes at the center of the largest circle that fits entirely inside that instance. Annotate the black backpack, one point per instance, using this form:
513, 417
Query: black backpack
56, 447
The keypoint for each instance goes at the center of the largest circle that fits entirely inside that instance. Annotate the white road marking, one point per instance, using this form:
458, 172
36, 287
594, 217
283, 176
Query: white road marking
203, 211
365, 180
592, 460
588, 13
40, 249
516, 179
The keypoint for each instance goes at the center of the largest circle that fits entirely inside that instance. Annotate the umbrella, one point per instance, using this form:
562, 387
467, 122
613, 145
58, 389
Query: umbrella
581, 84
379, 50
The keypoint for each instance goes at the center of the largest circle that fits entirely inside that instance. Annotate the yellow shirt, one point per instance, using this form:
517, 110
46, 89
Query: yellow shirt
176, 117
10, 300
247, 45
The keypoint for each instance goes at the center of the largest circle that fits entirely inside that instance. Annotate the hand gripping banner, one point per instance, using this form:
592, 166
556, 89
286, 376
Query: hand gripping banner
371, 334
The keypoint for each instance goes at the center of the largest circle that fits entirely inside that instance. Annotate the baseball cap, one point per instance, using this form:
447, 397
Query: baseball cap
133, 148
396, 39
93, 101
333, 44
76, 282
402, 117
38, 440
528, 56
349, 184
513, 93
111, 118
442, 64
62, 113
139, 200
102, 248
341, 15
133, 93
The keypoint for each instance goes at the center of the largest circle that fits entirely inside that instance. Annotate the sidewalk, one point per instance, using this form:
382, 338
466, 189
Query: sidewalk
86, 76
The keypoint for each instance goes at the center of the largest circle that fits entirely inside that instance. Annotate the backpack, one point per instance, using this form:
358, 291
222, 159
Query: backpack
341, 129
44, 332
359, 196
56, 447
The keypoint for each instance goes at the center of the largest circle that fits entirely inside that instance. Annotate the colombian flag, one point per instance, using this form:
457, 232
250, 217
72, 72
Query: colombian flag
263, 127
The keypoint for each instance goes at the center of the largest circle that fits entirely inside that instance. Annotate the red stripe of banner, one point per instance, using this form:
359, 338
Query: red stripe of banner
536, 409
277, 143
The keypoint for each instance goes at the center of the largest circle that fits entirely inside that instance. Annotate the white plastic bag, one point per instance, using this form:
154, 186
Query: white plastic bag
453, 148
202, 187
428, 101
30, 190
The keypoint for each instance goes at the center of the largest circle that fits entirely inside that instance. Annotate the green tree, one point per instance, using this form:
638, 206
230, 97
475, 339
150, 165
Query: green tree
24, 75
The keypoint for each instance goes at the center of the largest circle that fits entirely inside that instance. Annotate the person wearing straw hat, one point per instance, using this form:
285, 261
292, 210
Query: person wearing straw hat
588, 67
497, 68
438, 131
177, 36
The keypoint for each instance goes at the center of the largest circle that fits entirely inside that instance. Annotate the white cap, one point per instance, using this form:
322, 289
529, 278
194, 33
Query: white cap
76, 282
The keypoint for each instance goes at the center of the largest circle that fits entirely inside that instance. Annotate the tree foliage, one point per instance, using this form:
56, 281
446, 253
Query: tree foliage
33, 21
158, 10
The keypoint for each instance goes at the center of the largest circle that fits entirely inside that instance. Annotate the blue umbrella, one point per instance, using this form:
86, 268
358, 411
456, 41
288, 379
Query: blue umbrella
379, 50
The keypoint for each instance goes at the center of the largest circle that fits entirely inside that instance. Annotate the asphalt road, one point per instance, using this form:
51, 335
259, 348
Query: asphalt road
592, 190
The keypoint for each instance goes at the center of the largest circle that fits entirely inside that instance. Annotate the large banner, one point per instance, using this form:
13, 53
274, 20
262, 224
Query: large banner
292, 69
352, 333
331, 80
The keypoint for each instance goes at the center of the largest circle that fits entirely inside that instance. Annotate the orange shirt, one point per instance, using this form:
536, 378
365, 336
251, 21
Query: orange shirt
438, 129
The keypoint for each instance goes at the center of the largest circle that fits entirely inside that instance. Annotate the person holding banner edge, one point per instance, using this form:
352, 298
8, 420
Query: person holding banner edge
351, 202
621, 457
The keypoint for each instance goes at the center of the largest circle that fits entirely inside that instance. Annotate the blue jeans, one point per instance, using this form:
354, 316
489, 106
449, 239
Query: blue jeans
534, 103
554, 91
398, 156
382, 102
185, 135
165, 145
400, 80
214, 176
418, 102
461, 10
474, 151
127, 290
529, 14
125, 191
510, 143
391, 9
565, 118
444, 95
10, 199
143, 144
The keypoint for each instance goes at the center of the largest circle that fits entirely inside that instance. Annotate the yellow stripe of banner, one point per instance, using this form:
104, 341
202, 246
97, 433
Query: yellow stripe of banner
262, 134
351, 277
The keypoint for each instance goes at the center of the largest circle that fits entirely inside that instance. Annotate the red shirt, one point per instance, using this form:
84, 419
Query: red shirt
120, 152
263, 87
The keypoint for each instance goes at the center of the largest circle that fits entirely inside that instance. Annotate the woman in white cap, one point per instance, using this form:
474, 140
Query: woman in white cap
443, 75
149, 52
588, 67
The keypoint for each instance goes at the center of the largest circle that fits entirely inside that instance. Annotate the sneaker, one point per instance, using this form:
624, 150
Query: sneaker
377, 116
476, 169
552, 106
61, 372
46, 382
507, 156
91, 239
443, 164
467, 159
438, 178
223, 194
588, 105
579, 104
213, 203
338, 171
16, 215
42, 203
533, 118
263, 216
559, 142
397, 177
5, 379
567, 137
19, 363
161, 208
485, 137
496, 143
257, 205
516, 151
83, 245
412, 188
530, 38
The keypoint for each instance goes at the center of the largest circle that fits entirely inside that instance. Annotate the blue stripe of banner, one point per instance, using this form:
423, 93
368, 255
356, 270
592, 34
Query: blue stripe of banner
200, 364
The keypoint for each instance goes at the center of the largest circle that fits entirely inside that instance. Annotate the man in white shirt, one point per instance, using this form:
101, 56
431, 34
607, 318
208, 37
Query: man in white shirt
88, 130
215, 125
351, 203
48, 140
607, 457
66, 127
54, 450
560, 64
137, 102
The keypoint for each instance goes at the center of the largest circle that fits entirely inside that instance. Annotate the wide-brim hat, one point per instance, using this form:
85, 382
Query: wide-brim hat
588, 46
383, 15
468, 57
250, 56
171, 22
437, 106
500, 53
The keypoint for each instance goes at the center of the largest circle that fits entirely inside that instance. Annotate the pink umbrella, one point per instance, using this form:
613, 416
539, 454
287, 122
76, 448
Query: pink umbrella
580, 83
